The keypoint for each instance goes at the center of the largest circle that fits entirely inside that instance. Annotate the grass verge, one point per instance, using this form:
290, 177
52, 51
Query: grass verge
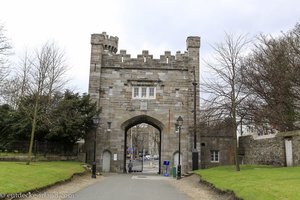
18, 177
256, 182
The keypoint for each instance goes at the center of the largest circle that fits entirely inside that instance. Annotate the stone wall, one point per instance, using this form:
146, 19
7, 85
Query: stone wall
41, 158
269, 151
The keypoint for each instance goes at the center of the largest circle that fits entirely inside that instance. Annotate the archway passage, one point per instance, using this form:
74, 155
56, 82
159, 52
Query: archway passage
142, 145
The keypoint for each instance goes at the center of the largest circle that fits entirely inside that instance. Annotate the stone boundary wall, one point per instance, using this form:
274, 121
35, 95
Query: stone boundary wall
269, 151
42, 158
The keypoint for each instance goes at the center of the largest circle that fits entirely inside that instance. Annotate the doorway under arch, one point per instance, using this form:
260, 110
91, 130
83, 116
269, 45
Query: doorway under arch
176, 158
133, 122
106, 161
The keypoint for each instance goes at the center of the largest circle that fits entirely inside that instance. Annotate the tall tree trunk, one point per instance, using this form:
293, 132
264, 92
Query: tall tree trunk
33, 128
234, 126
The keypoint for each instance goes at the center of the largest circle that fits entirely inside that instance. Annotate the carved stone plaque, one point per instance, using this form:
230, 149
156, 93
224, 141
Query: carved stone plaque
143, 105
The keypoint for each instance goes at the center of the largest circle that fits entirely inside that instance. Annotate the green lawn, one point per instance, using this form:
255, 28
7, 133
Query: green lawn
18, 177
256, 182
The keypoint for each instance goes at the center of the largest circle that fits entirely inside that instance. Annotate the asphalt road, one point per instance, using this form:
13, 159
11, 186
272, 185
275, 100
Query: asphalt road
131, 187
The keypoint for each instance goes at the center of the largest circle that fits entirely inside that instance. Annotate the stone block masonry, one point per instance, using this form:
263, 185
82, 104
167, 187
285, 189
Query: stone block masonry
271, 151
138, 90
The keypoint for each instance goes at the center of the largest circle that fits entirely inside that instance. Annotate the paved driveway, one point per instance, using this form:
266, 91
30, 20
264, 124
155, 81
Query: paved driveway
131, 187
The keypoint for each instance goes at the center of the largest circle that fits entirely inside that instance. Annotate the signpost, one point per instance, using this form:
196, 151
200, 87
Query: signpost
166, 163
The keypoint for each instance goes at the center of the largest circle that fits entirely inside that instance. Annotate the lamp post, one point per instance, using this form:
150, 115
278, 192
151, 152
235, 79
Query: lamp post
195, 155
179, 125
96, 121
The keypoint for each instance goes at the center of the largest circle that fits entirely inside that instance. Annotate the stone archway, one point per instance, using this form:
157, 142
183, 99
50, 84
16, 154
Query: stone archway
139, 120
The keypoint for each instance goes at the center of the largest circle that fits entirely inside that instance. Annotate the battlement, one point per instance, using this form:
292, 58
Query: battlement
145, 57
145, 60
105, 47
109, 43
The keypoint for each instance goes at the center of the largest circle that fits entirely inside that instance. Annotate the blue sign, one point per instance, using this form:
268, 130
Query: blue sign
131, 149
166, 162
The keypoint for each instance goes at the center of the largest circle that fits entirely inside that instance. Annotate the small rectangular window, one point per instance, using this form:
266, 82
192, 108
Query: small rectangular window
151, 92
144, 92
214, 156
136, 92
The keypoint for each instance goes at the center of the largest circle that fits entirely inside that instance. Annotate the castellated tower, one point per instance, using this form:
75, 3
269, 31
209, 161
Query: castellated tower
193, 46
146, 90
101, 44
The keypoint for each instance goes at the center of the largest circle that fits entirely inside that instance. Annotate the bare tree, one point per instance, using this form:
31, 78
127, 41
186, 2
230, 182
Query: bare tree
56, 73
41, 66
48, 67
271, 75
5, 48
225, 87
292, 39
23, 73
17, 84
5, 45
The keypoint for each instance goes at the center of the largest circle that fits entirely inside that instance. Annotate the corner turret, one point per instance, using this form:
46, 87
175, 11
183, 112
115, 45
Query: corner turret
101, 44
193, 42
109, 43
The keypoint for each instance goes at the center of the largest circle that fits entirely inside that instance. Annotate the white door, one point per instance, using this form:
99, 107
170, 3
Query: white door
289, 152
176, 155
106, 161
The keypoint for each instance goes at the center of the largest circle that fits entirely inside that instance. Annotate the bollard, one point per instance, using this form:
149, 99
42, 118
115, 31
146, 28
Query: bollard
94, 170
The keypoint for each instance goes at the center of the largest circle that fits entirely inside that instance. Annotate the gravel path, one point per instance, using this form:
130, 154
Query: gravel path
196, 190
63, 190
189, 185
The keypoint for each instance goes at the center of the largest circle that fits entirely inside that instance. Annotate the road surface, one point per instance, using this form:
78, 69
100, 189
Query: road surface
131, 187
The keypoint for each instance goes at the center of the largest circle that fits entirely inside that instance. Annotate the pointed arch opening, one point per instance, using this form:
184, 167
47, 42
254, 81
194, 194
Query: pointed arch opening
142, 144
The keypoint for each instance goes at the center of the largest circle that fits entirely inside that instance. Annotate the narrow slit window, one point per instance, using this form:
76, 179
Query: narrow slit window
110, 92
177, 92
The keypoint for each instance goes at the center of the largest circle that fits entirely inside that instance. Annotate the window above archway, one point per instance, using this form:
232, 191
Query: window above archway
143, 92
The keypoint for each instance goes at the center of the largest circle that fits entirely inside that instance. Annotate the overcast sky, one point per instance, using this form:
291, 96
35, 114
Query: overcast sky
154, 25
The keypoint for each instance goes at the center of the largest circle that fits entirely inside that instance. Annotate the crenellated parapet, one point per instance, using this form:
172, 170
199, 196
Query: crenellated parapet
146, 60
109, 43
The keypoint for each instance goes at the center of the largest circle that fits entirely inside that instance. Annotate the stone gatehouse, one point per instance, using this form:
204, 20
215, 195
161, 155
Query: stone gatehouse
138, 90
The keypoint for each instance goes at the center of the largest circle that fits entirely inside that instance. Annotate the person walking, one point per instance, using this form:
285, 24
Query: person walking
130, 166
